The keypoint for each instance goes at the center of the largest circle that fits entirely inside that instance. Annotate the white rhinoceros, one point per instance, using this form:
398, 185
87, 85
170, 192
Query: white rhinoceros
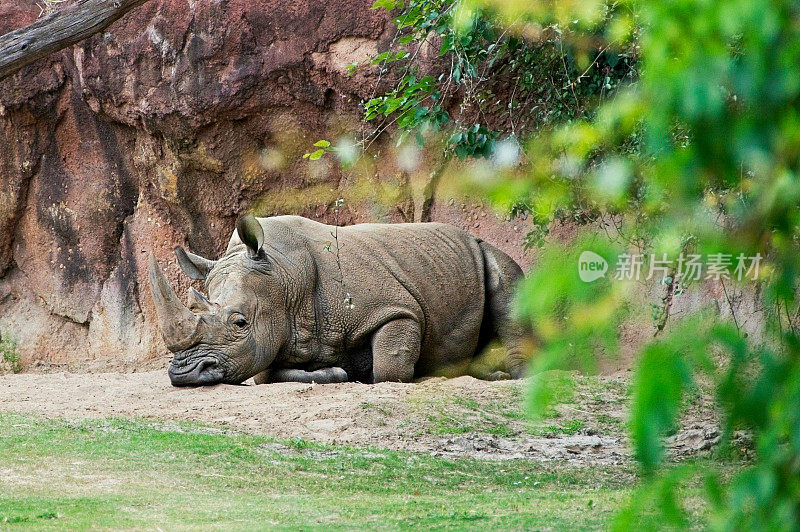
296, 300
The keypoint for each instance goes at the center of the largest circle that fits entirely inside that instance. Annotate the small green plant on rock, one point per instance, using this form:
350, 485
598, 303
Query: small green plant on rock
8, 350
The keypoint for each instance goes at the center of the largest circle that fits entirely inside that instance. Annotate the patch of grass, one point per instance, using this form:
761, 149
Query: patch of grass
501, 429
561, 386
568, 427
8, 351
609, 421
449, 423
466, 402
460, 415
548, 389
572, 426
381, 409
605, 390
116, 473
510, 412
505, 415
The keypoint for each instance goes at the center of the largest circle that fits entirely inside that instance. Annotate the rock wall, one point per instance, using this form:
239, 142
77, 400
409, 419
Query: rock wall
154, 133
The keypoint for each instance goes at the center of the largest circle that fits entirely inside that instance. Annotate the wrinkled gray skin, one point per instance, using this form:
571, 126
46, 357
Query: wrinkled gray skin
422, 298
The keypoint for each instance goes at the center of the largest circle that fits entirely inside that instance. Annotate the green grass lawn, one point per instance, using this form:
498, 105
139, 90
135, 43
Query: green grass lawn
126, 473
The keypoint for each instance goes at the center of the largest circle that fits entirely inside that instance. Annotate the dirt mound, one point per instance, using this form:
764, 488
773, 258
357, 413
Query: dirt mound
452, 417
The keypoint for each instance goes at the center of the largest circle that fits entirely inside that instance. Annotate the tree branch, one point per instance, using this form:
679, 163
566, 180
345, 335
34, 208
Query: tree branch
59, 30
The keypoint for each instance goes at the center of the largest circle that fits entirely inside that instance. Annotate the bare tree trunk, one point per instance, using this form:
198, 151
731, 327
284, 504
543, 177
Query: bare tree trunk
58, 30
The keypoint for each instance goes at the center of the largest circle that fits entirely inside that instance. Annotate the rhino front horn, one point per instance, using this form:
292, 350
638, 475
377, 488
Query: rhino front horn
178, 324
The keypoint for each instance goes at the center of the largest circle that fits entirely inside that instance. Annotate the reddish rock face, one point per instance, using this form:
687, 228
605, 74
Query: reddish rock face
160, 131
148, 135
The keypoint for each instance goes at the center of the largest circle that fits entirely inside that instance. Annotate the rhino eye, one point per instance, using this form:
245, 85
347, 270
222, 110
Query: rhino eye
241, 323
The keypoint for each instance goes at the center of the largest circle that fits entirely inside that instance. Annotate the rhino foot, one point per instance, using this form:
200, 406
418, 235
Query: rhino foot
320, 376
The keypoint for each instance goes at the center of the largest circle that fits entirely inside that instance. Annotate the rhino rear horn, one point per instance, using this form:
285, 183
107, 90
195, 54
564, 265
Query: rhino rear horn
194, 266
251, 234
198, 302
178, 324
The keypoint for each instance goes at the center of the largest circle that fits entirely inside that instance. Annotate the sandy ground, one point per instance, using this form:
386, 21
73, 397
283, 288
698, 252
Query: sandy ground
448, 417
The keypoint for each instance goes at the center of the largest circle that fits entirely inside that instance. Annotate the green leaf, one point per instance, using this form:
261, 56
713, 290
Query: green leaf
391, 106
447, 44
316, 155
322, 144
456, 74
380, 57
388, 5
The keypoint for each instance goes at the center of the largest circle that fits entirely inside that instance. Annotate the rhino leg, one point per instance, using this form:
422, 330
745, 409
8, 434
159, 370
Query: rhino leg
395, 351
320, 376
502, 275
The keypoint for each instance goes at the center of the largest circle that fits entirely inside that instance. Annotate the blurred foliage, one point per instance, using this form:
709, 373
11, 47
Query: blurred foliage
667, 127
700, 150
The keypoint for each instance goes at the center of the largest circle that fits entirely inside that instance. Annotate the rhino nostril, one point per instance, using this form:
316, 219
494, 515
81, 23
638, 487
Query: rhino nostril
205, 365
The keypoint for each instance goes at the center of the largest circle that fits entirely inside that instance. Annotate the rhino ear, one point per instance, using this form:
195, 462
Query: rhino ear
251, 234
195, 266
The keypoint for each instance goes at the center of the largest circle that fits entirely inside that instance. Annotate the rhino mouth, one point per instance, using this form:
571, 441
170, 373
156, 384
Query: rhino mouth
195, 371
